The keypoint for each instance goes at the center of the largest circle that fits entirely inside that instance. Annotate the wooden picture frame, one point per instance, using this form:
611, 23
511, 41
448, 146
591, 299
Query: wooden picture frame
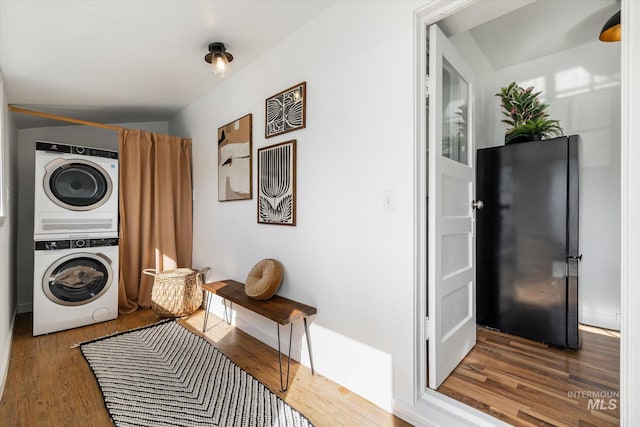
277, 184
234, 160
286, 111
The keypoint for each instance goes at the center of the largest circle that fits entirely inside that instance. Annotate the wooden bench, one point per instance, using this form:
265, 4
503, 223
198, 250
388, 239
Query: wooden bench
281, 310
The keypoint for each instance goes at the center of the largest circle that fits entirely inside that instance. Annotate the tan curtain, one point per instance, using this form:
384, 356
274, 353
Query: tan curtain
155, 211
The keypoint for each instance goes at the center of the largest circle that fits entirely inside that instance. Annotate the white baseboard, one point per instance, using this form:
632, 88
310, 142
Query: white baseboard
600, 320
25, 307
435, 409
5, 357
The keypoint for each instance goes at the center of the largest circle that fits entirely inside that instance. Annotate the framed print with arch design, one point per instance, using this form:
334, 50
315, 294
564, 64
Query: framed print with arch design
234, 160
277, 184
286, 111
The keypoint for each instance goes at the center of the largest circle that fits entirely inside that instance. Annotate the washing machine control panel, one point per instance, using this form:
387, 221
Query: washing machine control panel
109, 241
53, 245
75, 149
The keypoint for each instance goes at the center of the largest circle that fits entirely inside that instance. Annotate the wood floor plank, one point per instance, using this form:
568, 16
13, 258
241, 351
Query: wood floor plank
533, 420
526, 383
50, 384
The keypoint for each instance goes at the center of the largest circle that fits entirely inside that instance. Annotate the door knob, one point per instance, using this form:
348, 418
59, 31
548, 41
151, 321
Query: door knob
477, 204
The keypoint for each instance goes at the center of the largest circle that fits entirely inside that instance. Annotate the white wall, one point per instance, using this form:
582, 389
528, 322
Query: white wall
75, 135
8, 138
582, 85
346, 256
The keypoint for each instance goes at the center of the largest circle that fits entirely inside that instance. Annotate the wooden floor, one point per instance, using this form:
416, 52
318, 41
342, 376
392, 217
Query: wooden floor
50, 384
522, 382
526, 383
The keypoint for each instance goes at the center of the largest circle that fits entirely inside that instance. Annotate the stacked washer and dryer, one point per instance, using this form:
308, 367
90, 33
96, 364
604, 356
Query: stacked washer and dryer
75, 237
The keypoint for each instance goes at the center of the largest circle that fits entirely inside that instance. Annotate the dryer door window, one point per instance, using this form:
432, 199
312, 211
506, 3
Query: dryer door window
77, 185
77, 279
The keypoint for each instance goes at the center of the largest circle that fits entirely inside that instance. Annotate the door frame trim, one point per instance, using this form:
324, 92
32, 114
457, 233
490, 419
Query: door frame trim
428, 407
423, 17
630, 212
435, 402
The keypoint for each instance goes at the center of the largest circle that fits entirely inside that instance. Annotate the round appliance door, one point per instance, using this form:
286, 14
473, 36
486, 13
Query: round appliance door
77, 279
76, 184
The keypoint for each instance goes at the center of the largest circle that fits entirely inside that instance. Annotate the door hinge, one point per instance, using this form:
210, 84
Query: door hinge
427, 328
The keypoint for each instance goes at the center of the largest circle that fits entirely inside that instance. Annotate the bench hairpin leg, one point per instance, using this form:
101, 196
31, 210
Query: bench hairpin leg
306, 333
206, 312
284, 386
227, 317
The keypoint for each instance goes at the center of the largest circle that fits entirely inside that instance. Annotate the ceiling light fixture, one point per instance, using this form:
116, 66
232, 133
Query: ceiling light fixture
611, 30
219, 59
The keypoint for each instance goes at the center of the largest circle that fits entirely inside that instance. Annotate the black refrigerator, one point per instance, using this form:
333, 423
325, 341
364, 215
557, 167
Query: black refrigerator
527, 252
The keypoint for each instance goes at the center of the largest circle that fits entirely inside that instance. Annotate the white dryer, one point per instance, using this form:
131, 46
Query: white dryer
76, 191
75, 283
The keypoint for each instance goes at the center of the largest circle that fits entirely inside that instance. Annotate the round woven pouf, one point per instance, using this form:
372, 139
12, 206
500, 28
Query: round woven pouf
264, 279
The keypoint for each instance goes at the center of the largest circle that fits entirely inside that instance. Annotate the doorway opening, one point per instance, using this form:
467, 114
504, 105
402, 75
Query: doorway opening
555, 49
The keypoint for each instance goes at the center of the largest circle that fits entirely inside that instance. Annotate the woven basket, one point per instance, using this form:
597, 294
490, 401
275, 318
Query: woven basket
176, 293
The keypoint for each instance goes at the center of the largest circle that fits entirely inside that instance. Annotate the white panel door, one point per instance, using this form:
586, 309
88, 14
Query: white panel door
451, 273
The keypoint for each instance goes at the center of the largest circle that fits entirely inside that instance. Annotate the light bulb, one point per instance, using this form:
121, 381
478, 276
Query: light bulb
219, 66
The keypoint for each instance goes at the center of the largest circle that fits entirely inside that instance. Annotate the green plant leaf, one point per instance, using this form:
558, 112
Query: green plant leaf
523, 107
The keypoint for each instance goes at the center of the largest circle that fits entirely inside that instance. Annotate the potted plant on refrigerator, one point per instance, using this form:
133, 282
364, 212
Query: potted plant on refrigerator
526, 115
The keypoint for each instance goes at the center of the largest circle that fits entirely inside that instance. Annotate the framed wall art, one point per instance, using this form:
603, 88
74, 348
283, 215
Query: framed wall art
286, 111
234, 160
277, 184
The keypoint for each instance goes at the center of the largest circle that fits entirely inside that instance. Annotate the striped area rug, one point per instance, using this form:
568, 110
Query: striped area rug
165, 375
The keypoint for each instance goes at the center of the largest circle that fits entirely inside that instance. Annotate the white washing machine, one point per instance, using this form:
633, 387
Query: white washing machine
75, 283
76, 191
